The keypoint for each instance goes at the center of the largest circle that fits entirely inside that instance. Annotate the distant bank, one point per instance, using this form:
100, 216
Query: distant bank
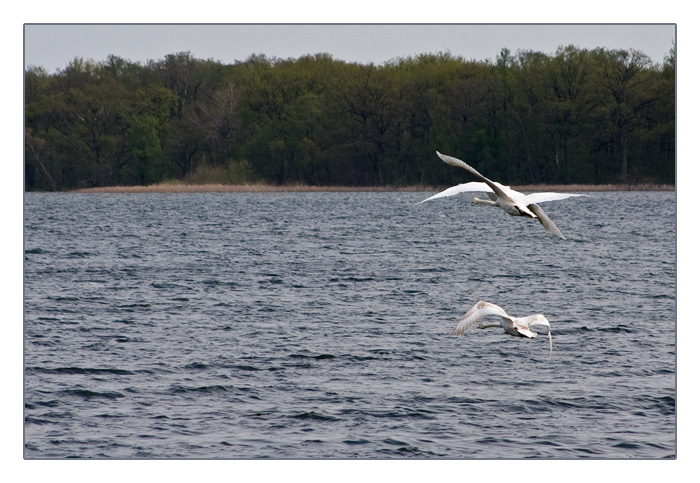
265, 188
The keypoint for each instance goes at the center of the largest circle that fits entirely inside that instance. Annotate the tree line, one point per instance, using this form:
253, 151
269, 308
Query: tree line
576, 116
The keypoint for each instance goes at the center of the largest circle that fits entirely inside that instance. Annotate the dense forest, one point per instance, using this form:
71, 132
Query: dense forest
576, 116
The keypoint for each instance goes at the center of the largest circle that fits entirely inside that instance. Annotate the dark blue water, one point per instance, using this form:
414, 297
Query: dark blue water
317, 325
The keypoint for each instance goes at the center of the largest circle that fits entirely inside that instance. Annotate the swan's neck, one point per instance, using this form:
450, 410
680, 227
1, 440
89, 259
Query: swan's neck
484, 202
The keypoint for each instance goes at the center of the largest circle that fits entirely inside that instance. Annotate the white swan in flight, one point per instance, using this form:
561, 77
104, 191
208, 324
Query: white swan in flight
516, 326
512, 202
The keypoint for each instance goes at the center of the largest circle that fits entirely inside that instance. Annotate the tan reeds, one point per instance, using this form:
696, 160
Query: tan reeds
268, 188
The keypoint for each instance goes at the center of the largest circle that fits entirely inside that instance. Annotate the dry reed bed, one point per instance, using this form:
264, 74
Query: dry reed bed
265, 188
226, 188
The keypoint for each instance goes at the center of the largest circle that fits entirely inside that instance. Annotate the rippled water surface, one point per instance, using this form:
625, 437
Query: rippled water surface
317, 325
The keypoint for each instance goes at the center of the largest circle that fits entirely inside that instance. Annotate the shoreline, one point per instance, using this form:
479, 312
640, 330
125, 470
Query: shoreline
262, 188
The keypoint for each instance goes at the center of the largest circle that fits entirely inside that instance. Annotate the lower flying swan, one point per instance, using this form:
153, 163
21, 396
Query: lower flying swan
516, 326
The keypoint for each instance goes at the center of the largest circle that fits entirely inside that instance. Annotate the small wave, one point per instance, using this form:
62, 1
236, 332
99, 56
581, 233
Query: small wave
436, 269
394, 442
356, 441
627, 445
111, 416
397, 413
79, 254
408, 450
39, 421
365, 358
178, 389
588, 451
87, 394
125, 321
66, 298
273, 280
467, 400
34, 404
163, 285
243, 367
135, 306
664, 404
317, 357
78, 370
358, 279
313, 415
616, 330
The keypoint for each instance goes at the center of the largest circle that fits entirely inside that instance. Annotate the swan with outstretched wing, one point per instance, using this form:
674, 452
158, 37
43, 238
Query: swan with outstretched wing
515, 326
512, 202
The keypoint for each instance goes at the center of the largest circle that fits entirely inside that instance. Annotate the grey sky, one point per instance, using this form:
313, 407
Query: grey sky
53, 46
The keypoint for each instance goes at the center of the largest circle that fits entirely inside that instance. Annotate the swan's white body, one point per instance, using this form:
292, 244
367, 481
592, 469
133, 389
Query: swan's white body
512, 202
516, 326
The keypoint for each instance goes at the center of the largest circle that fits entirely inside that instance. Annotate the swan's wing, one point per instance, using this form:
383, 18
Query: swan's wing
525, 332
461, 188
535, 319
541, 320
476, 313
496, 187
543, 197
544, 219
515, 195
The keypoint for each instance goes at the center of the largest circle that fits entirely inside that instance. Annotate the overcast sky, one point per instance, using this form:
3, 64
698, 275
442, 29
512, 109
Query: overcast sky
54, 46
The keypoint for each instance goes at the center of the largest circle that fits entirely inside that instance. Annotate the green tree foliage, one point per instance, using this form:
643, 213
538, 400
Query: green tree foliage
577, 116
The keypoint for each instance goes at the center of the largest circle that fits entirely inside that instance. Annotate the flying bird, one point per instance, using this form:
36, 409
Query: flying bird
512, 202
516, 326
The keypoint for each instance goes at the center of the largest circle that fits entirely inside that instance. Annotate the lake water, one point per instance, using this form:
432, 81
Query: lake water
317, 325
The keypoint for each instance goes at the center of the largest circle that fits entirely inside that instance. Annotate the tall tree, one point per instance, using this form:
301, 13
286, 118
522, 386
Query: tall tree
627, 82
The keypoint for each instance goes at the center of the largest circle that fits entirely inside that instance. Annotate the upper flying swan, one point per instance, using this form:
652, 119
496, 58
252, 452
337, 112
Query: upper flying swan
512, 202
517, 326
